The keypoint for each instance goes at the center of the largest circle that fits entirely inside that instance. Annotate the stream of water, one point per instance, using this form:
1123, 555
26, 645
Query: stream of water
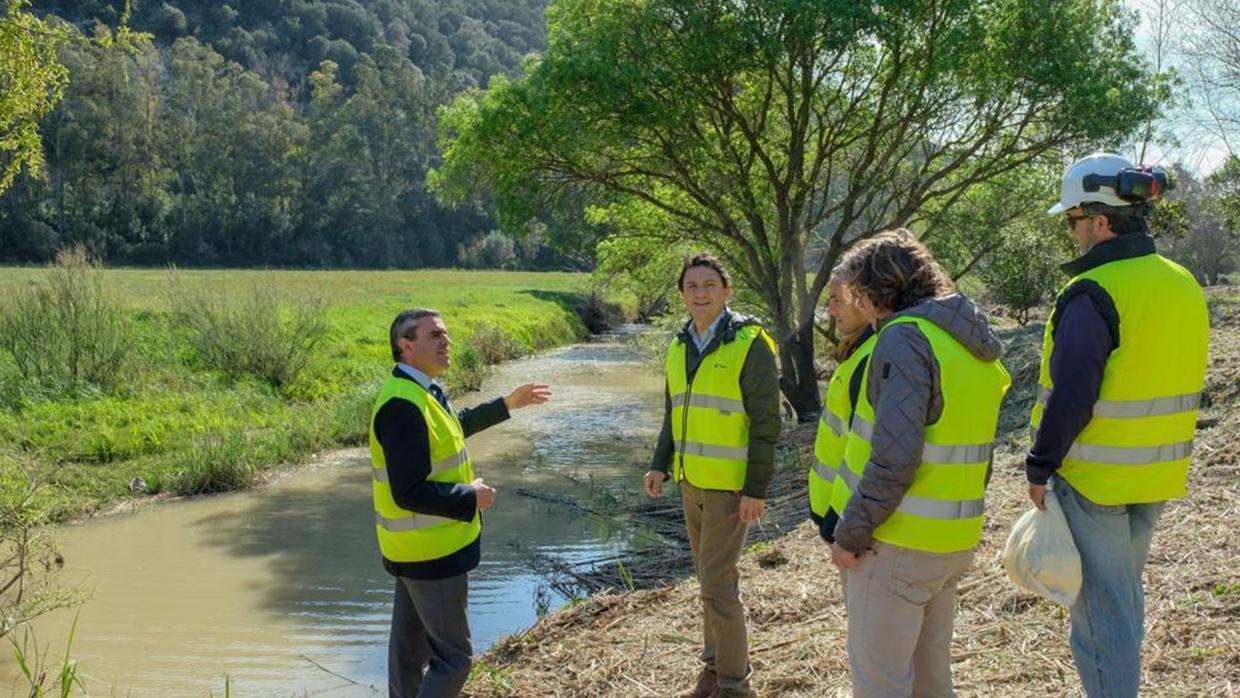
281, 590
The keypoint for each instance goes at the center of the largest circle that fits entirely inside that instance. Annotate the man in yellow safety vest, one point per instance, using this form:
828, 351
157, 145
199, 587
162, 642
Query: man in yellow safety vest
428, 505
720, 426
1123, 364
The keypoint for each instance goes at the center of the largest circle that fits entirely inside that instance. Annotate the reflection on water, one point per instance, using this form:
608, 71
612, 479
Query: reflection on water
281, 589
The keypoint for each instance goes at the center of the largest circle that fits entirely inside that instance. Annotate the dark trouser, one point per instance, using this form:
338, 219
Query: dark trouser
716, 536
430, 633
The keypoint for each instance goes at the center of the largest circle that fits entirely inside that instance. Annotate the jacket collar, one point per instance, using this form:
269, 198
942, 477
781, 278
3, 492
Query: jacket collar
861, 339
725, 330
1122, 247
398, 372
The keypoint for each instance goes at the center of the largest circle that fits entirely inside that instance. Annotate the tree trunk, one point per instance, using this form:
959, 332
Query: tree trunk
798, 377
58, 183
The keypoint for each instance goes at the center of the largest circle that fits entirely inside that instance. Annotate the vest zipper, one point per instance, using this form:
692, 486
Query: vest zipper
684, 417
684, 424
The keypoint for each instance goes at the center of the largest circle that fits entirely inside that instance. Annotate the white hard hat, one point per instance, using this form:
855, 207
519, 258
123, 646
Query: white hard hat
1072, 191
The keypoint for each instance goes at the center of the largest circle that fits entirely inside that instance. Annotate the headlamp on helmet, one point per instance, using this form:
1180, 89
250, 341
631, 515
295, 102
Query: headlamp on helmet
1135, 184
1109, 183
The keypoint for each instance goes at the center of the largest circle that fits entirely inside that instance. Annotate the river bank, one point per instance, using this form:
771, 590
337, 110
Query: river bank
644, 642
279, 589
177, 424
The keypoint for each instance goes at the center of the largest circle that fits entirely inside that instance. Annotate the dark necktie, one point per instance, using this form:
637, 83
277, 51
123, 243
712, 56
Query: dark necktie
437, 393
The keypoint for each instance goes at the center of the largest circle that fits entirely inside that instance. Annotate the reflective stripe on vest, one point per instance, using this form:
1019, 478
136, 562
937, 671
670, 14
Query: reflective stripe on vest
936, 454
1133, 409
712, 402
834, 423
1116, 455
455, 460
930, 508
832, 433
696, 448
824, 471
410, 523
710, 428
1138, 443
406, 536
943, 509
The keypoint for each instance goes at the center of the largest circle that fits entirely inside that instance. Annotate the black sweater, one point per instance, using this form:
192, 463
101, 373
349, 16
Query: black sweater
401, 431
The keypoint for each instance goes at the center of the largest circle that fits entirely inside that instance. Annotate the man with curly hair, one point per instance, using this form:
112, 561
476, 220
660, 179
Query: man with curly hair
911, 489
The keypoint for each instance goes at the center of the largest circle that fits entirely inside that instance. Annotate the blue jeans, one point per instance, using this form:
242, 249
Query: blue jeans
1109, 615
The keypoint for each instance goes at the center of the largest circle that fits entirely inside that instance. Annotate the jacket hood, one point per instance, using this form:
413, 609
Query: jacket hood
962, 319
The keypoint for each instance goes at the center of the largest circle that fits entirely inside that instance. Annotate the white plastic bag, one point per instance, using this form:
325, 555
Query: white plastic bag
1041, 556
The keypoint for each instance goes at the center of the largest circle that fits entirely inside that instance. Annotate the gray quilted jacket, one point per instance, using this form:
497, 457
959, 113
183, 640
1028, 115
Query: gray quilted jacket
903, 385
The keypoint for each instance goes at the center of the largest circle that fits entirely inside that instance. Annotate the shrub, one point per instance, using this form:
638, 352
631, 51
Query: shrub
215, 462
1024, 271
28, 557
254, 335
600, 315
493, 344
350, 415
468, 370
495, 250
66, 334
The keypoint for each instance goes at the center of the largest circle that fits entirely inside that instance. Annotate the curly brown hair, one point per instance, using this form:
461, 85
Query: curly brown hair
895, 270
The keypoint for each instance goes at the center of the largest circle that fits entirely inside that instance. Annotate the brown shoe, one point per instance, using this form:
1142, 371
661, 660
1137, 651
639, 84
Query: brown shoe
707, 685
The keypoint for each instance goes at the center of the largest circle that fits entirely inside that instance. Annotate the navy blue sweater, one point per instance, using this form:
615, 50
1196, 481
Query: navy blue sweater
1085, 325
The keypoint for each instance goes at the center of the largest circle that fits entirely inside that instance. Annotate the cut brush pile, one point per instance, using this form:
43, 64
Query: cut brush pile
1007, 643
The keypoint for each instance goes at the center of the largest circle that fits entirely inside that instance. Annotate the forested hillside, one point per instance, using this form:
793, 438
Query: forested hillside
282, 132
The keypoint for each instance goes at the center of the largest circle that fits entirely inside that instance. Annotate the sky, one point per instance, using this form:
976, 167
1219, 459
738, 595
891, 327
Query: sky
1200, 148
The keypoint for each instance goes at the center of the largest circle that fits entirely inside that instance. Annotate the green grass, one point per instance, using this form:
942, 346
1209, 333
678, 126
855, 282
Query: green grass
185, 428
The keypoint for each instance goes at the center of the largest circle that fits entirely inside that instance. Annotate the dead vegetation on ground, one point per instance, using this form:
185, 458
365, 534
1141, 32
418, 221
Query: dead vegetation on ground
1007, 643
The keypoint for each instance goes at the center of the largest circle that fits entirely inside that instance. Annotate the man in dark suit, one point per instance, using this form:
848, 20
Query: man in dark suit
428, 505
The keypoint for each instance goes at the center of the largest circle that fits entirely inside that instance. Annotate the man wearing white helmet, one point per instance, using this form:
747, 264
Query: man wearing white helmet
1123, 365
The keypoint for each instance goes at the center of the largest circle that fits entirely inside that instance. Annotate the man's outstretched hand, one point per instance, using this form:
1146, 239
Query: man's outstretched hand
526, 395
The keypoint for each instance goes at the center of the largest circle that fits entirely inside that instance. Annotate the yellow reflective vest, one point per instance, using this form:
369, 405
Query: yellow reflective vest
833, 428
1138, 444
406, 536
710, 428
943, 509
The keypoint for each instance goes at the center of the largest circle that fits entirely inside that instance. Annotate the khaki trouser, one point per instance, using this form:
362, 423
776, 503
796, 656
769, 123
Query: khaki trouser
716, 536
901, 606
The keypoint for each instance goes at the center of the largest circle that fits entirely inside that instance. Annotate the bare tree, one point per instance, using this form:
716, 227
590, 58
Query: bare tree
1211, 49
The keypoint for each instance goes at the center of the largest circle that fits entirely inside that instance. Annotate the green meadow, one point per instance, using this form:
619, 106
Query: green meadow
183, 424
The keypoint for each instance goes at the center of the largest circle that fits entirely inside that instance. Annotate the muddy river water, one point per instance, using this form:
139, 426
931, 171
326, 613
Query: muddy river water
280, 590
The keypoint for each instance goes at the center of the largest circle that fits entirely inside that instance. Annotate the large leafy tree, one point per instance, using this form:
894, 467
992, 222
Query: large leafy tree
230, 143
99, 142
380, 140
31, 82
761, 128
